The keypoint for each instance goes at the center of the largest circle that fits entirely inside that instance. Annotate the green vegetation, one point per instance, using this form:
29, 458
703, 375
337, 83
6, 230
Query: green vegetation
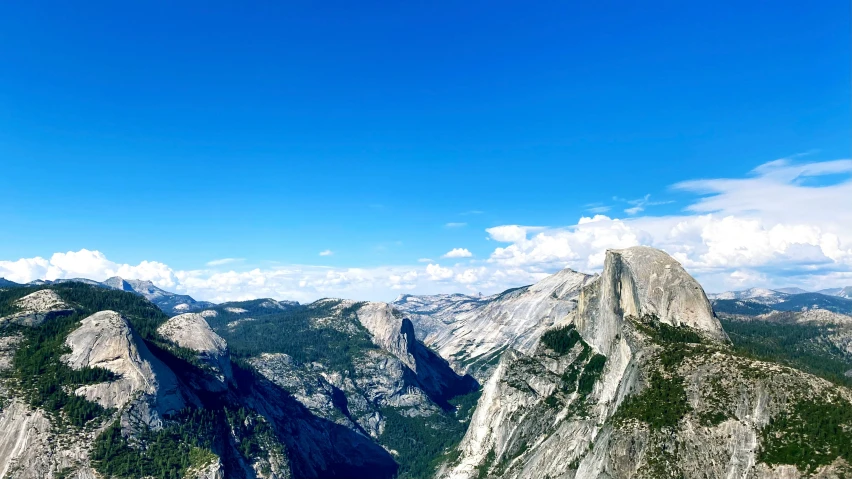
662, 463
572, 373
813, 433
295, 333
187, 440
562, 339
44, 381
164, 454
736, 306
797, 302
38, 374
582, 374
663, 333
662, 404
712, 418
425, 442
482, 470
801, 346
465, 404
591, 373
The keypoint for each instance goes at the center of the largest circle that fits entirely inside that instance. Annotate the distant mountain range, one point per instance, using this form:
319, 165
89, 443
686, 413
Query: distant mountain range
630, 373
756, 301
170, 303
779, 294
749, 301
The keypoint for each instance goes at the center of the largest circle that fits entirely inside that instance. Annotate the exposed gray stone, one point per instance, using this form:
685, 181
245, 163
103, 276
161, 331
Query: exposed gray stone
191, 331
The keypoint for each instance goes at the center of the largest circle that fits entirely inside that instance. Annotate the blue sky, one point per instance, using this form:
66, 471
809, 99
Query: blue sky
184, 134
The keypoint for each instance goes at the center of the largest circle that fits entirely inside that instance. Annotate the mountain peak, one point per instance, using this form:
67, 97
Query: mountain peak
640, 281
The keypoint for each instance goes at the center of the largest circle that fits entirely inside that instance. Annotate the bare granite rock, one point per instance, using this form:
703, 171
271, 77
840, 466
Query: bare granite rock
35, 308
105, 339
535, 420
474, 335
31, 449
191, 331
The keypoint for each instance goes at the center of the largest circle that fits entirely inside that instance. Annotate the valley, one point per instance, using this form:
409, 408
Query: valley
633, 372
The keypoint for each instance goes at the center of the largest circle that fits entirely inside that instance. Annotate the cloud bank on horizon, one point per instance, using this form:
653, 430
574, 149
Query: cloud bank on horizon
787, 224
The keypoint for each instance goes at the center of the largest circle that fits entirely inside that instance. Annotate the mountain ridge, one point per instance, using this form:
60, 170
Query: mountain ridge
621, 374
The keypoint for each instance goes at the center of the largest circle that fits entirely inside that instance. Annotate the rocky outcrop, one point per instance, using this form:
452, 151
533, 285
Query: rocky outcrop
212, 470
36, 308
395, 334
400, 373
432, 315
355, 400
106, 340
642, 281
639, 382
516, 318
191, 331
170, 303
31, 449
315, 446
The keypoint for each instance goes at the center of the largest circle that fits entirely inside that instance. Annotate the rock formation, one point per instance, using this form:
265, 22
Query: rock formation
474, 339
639, 381
36, 308
106, 340
191, 331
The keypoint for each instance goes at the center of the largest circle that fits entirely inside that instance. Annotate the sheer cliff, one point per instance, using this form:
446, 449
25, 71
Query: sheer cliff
641, 381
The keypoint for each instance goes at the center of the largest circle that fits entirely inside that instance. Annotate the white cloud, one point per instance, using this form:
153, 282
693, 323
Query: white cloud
640, 204
437, 272
598, 208
407, 281
470, 276
458, 253
509, 233
785, 224
223, 261
327, 252
455, 225
84, 264
776, 228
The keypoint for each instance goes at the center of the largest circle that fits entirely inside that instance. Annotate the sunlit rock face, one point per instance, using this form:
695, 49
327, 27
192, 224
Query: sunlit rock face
641, 383
106, 340
36, 308
473, 334
191, 331
640, 281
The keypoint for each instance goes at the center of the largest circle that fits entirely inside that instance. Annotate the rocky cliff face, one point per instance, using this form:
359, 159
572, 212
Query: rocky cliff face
642, 281
191, 331
394, 372
31, 448
155, 414
640, 381
433, 314
395, 334
145, 384
474, 338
